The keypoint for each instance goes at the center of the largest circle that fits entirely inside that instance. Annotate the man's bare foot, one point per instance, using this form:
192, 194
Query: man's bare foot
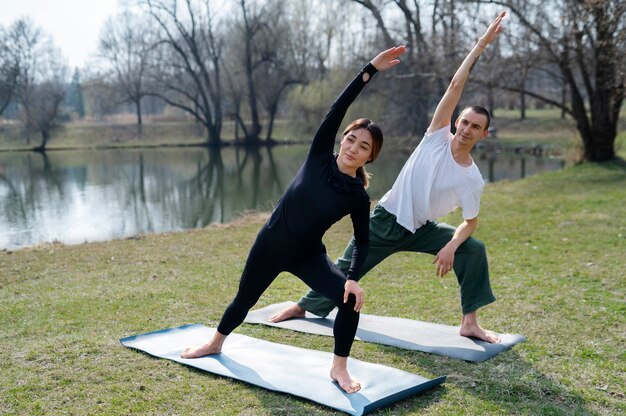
470, 328
294, 311
339, 373
475, 331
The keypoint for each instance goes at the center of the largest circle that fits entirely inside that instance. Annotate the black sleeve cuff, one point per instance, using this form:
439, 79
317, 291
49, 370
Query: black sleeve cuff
370, 69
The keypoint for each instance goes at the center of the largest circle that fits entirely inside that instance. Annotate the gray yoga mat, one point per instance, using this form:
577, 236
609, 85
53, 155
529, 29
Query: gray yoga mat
283, 368
397, 332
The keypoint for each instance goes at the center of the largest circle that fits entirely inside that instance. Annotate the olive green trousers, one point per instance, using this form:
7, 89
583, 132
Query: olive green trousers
388, 237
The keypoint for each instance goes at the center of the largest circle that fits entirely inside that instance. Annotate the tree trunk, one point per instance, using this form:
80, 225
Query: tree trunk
600, 147
270, 126
213, 136
563, 100
139, 122
491, 102
253, 134
599, 143
45, 136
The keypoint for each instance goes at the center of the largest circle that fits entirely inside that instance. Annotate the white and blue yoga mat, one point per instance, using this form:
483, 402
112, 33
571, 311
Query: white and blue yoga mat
397, 332
283, 368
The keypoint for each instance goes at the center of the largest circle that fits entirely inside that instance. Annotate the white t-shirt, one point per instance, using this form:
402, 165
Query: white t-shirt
432, 184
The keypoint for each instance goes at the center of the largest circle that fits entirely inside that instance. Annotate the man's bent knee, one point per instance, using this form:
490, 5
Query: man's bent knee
474, 246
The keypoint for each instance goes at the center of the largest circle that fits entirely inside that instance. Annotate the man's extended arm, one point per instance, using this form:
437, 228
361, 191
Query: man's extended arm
451, 98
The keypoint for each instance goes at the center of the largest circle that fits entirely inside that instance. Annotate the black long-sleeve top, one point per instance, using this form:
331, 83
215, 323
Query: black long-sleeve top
320, 195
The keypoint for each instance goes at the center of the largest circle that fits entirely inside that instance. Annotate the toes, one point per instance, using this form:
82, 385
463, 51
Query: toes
350, 387
354, 388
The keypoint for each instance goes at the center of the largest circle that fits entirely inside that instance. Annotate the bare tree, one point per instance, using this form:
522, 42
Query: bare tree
101, 98
292, 63
248, 50
9, 70
322, 45
40, 87
126, 44
431, 58
518, 69
255, 54
269, 64
584, 40
187, 65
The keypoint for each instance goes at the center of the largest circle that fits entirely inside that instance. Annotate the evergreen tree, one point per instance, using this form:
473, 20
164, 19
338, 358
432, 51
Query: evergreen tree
74, 100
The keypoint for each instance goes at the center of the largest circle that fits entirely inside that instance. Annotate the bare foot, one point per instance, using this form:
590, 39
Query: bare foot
345, 381
475, 331
339, 373
294, 311
205, 349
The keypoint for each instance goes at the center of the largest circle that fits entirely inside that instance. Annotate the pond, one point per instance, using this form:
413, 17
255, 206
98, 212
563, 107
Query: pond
94, 195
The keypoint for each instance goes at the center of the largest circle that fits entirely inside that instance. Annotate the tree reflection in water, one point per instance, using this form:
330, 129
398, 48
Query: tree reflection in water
77, 196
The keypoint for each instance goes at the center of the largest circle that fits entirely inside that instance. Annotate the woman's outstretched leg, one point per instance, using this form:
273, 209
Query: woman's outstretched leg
258, 274
214, 346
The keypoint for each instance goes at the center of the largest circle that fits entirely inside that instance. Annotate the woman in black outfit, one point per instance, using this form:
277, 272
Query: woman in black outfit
326, 188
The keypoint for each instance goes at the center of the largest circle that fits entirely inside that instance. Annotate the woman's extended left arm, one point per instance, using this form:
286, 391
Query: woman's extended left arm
324, 139
389, 58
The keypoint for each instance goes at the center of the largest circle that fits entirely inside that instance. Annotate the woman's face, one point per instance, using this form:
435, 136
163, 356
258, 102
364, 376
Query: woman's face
356, 148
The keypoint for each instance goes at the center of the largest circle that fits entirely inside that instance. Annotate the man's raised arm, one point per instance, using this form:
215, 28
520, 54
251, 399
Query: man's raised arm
451, 98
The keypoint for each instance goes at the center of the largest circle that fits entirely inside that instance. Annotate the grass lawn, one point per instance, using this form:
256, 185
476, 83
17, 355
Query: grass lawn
103, 135
543, 127
556, 245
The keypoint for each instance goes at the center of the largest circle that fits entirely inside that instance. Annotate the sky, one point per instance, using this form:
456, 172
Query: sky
73, 24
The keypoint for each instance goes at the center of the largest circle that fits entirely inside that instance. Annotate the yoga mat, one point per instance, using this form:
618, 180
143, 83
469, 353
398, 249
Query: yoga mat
397, 332
283, 368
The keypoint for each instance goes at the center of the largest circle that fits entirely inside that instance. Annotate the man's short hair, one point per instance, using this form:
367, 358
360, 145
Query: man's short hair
478, 109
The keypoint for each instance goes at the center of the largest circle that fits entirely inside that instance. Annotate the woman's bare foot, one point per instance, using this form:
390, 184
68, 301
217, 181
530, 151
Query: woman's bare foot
470, 328
478, 332
294, 311
339, 373
214, 346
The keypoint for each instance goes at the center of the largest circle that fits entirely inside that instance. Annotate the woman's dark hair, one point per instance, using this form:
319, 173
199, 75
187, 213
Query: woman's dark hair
377, 143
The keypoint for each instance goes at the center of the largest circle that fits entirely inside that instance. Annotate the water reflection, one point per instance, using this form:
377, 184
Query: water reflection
77, 196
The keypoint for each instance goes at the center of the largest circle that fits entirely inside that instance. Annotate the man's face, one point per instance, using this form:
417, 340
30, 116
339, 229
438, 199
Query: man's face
470, 128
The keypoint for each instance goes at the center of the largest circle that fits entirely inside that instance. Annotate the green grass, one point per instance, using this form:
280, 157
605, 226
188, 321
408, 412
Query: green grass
541, 126
158, 133
556, 245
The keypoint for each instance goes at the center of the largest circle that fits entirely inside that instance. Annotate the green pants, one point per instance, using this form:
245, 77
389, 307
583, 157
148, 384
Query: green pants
388, 237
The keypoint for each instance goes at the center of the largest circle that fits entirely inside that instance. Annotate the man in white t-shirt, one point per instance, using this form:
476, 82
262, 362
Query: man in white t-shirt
437, 178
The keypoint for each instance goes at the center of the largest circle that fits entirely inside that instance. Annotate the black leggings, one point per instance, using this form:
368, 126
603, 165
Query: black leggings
270, 256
